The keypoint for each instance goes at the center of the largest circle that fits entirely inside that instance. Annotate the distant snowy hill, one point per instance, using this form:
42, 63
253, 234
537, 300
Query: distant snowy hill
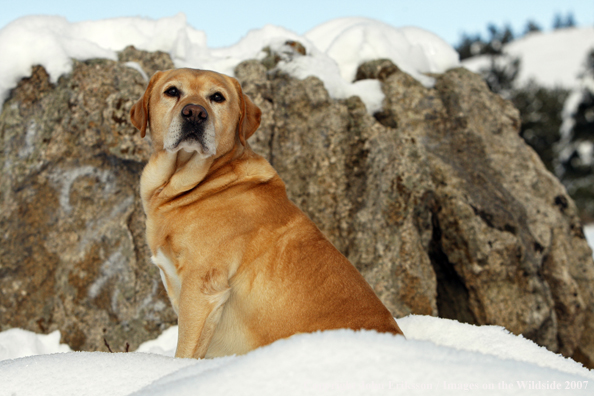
551, 59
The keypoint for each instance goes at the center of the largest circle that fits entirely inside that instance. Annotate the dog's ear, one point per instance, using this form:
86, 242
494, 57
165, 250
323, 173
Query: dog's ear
249, 119
139, 114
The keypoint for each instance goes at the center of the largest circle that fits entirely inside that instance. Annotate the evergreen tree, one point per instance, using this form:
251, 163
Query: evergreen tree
583, 127
576, 149
470, 46
570, 21
560, 23
532, 27
474, 45
541, 113
498, 39
501, 74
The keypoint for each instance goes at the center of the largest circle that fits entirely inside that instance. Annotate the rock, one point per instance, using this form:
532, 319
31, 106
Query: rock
149, 62
73, 251
503, 234
285, 52
436, 200
379, 69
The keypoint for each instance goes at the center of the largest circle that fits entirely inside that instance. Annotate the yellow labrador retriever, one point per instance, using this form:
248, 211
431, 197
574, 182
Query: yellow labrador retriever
242, 265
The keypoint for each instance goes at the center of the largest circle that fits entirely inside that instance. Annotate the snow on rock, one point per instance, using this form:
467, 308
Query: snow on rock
551, 59
352, 41
16, 343
589, 234
439, 356
224, 60
334, 50
52, 41
328, 71
165, 344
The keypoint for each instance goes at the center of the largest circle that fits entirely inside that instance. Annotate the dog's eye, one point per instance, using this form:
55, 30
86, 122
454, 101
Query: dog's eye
217, 97
173, 92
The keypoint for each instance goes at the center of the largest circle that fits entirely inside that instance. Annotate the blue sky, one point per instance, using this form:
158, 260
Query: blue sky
226, 21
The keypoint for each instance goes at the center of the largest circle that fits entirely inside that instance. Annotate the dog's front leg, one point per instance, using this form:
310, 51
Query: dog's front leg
201, 304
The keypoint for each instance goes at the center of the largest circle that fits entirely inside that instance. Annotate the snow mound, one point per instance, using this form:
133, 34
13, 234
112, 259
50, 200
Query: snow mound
334, 50
495, 341
352, 41
165, 344
439, 356
550, 59
16, 343
84, 373
52, 41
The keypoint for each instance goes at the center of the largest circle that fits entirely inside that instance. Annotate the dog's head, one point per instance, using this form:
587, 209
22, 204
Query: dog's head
196, 111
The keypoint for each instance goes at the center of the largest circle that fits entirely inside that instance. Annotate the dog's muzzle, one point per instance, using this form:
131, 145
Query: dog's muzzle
192, 130
194, 121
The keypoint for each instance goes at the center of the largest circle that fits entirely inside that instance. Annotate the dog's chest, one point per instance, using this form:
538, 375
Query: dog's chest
169, 276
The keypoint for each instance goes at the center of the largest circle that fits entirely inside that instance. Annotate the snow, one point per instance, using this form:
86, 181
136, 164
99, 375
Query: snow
334, 49
351, 41
551, 59
439, 356
589, 234
84, 373
163, 345
16, 343
567, 146
576, 96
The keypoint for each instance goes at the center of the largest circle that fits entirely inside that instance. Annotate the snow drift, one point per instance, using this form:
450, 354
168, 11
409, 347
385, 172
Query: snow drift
439, 356
334, 49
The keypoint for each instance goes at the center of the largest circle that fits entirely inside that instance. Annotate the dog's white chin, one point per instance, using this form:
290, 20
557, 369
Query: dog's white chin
190, 147
172, 141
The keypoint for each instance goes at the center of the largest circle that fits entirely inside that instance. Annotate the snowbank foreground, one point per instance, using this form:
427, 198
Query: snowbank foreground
334, 49
440, 357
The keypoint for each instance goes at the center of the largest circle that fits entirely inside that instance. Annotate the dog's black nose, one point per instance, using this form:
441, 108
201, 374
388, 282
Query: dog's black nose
194, 113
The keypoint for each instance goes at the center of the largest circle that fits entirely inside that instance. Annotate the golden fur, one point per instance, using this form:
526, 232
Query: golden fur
242, 265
